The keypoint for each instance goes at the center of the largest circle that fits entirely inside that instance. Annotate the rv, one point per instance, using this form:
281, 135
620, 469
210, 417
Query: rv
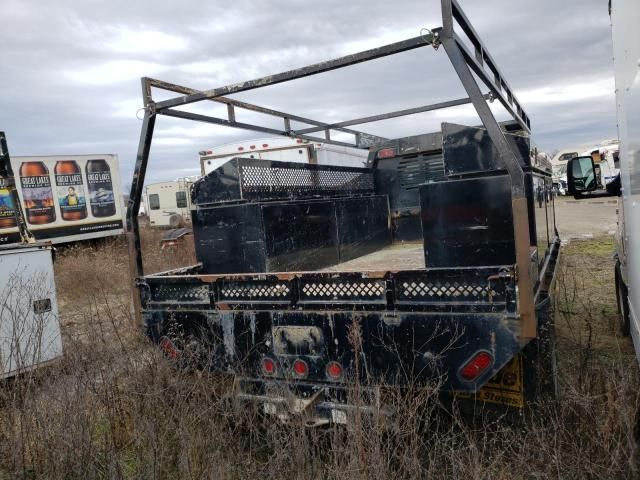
65, 198
167, 204
296, 150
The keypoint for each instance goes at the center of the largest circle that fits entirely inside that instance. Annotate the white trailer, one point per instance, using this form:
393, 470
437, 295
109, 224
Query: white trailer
168, 204
67, 198
283, 150
582, 171
29, 326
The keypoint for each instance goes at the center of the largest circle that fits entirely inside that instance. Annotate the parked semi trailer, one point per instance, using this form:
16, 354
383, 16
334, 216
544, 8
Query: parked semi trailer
297, 150
66, 198
29, 328
585, 182
319, 286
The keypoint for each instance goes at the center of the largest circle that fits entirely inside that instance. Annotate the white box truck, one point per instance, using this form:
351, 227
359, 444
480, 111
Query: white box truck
283, 150
583, 180
65, 198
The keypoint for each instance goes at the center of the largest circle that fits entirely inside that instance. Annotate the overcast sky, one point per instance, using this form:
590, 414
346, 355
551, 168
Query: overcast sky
70, 71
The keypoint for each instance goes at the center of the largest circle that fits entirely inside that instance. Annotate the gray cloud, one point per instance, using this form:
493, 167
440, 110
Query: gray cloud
70, 73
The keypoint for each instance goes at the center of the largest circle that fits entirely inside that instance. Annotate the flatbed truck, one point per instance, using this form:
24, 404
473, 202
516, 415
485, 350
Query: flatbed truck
432, 264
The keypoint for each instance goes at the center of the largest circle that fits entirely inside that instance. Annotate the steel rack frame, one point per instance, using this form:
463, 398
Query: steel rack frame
470, 64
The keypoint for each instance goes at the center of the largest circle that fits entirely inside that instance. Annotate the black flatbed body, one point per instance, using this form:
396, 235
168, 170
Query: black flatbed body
431, 266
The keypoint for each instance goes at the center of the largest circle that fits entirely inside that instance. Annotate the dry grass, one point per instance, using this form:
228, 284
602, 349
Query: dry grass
114, 408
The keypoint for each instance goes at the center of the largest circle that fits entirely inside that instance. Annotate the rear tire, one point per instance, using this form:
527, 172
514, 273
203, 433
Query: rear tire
547, 374
540, 360
176, 221
622, 296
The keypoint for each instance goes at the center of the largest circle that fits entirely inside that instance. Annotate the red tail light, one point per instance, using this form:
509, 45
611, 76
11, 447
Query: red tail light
334, 370
252, 147
300, 368
476, 366
169, 348
268, 366
240, 149
386, 153
265, 145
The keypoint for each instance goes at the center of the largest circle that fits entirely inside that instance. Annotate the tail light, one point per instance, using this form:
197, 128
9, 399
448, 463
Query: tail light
300, 368
169, 348
476, 366
386, 153
334, 371
268, 366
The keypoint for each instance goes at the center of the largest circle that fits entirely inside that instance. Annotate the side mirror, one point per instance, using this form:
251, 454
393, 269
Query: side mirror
581, 175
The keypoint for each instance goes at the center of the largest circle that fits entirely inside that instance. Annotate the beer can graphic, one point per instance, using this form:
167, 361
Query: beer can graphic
70, 190
37, 193
100, 188
7, 209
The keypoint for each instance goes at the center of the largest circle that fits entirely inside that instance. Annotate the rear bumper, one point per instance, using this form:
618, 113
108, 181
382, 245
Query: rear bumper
403, 328
314, 404
412, 348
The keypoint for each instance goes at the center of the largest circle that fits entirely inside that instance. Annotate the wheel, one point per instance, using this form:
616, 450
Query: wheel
623, 305
547, 357
176, 220
540, 359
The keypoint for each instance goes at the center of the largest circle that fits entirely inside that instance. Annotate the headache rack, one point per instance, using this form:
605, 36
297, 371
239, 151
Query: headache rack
249, 179
470, 59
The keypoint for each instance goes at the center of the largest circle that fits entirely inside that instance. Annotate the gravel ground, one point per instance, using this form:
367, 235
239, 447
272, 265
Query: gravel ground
577, 219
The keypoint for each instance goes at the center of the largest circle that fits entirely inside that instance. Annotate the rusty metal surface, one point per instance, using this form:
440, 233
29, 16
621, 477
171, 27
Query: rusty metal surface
403, 256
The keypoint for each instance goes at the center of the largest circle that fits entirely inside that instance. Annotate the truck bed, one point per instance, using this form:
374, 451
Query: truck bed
400, 256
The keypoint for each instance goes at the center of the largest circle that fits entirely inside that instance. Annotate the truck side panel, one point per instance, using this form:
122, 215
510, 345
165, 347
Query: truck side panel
625, 17
29, 328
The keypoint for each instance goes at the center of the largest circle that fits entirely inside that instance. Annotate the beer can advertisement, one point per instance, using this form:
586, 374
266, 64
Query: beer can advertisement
8, 222
66, 198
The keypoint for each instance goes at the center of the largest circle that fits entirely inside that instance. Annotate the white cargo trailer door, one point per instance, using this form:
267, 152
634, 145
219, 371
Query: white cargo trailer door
29, 326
